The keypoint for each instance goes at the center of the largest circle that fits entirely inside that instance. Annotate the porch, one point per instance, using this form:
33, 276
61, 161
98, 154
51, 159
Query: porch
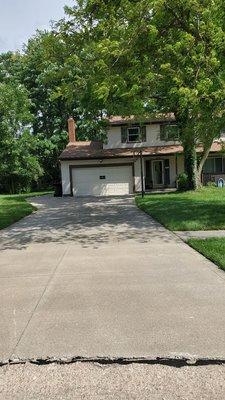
160, 173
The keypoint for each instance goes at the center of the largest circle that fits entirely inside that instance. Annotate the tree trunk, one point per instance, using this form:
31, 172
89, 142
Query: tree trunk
190, 163
201, 164
12, 186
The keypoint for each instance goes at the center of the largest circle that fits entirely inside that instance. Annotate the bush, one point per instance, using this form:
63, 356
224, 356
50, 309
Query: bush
211, 184
182, 182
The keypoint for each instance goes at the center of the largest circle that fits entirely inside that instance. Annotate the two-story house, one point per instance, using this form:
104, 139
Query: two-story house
134, 154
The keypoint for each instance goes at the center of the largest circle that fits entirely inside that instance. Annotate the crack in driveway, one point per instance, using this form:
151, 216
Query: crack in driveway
177, 362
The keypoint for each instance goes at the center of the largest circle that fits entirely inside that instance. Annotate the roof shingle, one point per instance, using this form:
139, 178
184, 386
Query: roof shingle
94, 150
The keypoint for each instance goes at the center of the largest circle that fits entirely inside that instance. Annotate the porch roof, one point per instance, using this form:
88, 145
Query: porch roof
94, 150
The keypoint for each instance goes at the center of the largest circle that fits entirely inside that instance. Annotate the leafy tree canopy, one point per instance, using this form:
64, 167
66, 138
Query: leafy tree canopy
155, 56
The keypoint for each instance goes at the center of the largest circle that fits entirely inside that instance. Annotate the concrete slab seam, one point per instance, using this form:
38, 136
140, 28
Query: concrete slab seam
42, 294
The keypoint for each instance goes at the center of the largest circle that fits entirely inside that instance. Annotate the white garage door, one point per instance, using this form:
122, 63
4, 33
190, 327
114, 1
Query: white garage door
102, 181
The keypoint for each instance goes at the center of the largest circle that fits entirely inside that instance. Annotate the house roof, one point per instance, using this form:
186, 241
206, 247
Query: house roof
120, 120
94, 150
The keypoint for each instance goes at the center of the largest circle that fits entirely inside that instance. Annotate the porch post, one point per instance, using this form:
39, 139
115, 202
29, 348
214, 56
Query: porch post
142, 175
176, 164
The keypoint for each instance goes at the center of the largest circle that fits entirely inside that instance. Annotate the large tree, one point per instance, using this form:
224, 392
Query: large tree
58, 87
147, 56
18, 165
190, 75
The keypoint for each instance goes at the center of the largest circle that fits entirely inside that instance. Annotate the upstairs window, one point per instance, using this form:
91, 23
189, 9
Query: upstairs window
133, 134
169, 132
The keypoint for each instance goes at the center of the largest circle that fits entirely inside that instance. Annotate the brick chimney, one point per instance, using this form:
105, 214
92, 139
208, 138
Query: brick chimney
71, 130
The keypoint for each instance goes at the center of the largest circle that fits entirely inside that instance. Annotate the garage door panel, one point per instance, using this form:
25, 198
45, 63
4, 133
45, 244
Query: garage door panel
102, 181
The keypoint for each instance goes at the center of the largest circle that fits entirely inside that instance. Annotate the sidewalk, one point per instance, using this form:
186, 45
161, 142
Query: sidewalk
185, 235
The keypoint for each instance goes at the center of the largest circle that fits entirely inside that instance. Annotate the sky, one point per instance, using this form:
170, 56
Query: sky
19, 19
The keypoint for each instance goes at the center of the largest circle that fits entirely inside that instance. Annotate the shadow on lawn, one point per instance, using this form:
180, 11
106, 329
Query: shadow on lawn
179, 212
89, 222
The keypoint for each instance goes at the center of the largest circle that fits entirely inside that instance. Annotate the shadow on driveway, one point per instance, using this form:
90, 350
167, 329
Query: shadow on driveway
84, 221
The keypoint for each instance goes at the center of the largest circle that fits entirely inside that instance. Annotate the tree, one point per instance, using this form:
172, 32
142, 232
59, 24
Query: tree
18, 164
40, 89
47, 153
58, 87
42, 66
156, 56
190, 73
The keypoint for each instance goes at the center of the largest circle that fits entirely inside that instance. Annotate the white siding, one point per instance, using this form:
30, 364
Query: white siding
152, 138
65, 174
137, 169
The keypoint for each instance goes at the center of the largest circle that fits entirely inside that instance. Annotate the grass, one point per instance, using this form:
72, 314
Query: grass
182, 211
212, 248
15, 207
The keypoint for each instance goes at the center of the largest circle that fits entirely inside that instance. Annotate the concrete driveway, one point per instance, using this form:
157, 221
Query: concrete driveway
99, 278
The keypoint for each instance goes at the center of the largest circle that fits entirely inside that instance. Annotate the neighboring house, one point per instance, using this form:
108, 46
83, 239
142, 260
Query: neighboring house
114, 168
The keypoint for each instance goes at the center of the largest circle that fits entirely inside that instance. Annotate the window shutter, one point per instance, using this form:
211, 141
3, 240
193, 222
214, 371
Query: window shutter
143, 133
169, 132
123, 134
163, 132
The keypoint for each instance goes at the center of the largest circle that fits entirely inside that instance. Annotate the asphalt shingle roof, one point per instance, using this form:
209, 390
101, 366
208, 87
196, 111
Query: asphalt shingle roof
94, 150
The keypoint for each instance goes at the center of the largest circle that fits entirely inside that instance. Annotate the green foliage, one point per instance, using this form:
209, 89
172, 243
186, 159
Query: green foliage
211, 184
169, 132
164, 55
182, 182
42, 71
187, 211
47, 152
13, 208
58, 84
116, 57
19, 166
212, 248
14, 109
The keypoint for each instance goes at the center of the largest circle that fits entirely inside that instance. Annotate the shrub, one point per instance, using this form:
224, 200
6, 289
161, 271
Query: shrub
182, 181
211, 184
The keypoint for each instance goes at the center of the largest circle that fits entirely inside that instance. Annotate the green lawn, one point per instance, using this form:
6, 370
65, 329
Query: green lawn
183, 211
15, 207
213, 249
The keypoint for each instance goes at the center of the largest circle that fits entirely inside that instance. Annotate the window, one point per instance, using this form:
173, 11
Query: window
209, 166
169, 132
133, 134
218, 165
214, 165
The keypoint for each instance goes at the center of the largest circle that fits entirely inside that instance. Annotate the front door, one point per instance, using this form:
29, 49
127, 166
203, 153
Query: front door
157, 173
